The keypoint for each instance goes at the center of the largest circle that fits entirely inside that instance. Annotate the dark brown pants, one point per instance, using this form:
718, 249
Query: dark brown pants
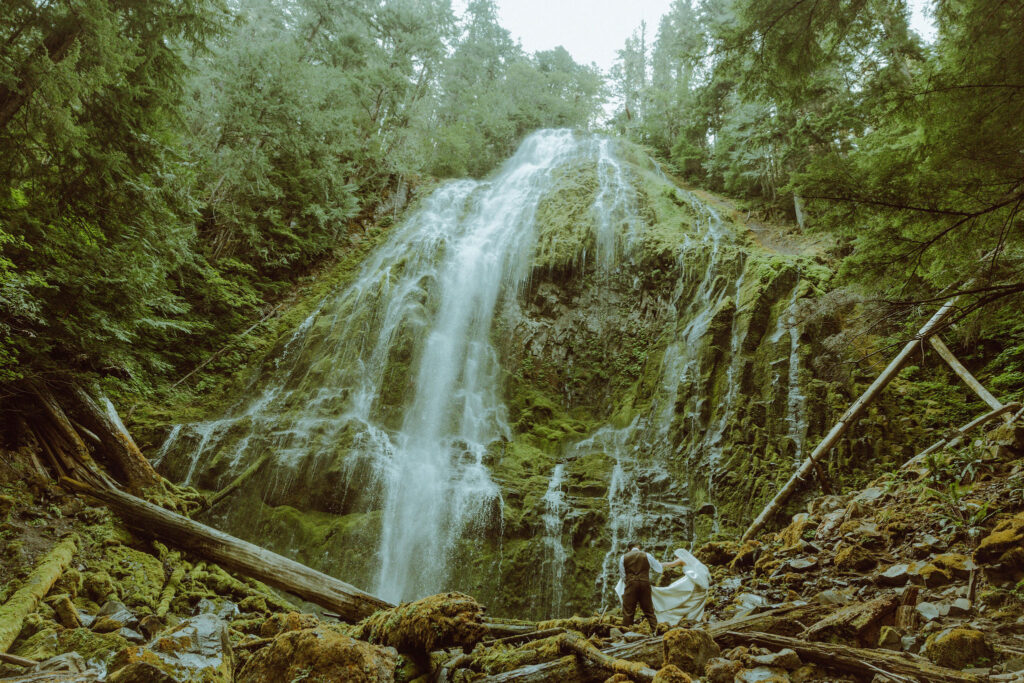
638, 592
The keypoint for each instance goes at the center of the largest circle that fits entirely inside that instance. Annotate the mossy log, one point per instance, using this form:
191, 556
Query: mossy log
170, 590
235, 554
240, 479
857, 660
583, 648
650, 651
36, 586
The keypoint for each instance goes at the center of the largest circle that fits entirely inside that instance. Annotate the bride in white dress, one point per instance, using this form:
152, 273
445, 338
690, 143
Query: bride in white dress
684, 598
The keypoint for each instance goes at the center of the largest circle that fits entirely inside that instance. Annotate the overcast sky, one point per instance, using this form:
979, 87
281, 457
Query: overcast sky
593, 30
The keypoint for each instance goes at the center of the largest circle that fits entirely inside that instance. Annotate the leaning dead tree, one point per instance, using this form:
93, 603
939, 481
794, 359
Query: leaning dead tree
62, 428
928, 332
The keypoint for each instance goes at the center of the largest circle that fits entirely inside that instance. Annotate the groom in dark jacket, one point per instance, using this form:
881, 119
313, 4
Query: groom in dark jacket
636, 566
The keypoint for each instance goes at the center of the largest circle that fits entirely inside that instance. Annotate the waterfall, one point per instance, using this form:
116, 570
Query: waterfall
419, 317
554, 550
796, 401
385, 408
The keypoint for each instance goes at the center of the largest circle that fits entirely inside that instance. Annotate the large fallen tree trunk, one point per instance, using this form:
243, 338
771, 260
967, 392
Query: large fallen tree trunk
350, 603
650, 651
576, 644
36, 586
848, 418
857, 660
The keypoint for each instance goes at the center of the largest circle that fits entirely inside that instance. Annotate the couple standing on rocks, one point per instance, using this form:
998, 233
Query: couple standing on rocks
682, 599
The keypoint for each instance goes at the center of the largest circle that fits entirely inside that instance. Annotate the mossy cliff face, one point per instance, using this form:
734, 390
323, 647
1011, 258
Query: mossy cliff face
646, 383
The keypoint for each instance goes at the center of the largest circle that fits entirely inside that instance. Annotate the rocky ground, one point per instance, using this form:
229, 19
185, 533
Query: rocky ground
918, 577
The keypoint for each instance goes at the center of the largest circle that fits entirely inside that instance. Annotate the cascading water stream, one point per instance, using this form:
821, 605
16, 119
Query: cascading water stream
796, 401
554, 522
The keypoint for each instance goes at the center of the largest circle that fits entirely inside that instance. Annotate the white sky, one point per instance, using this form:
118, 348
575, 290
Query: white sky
593, 30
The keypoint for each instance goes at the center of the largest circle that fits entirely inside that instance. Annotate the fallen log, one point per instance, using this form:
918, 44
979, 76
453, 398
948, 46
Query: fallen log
576, 644
235, 554
963, 373
848, 418
36, 586
845, 658
958, 436
16, 661
240, 479
650, 651
523, 638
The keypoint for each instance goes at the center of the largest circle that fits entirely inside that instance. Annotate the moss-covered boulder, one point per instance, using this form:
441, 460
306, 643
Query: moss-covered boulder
957, 647
432, 623
689, 649
319, 655
1002, 551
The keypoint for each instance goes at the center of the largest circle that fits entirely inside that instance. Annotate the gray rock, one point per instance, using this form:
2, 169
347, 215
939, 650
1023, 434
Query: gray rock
761, 673
896, 575
119, 612
869, 495
928, 611
959, 607
783, 659
832, 597
910, 644
131, 635
803, 564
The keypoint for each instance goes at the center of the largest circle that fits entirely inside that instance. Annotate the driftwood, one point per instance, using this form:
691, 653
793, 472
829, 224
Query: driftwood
235, 554
958, 436
845, 658
851, 414
650, 651
861, 621
36, 586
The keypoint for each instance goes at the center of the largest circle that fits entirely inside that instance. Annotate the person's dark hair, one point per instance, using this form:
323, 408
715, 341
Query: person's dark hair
634, 544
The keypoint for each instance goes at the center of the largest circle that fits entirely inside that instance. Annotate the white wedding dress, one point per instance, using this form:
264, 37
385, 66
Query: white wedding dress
684, 598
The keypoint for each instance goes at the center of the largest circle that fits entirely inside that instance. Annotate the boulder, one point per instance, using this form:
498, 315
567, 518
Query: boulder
957, 647
854, 558
890, 638
1002, 551
689, 649
282, 622
721, 670
829, 525
671, 674
783, 659
794, 533
196, 649
763, 674
928, 611
896, 575
436, 622
717, 553
957, 565
319, 654
746, 555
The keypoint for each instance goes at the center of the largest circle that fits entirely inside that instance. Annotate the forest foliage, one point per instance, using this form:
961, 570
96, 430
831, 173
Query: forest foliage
834, 111
169, 169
